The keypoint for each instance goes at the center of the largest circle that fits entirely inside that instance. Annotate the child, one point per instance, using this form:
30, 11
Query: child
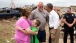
35, 24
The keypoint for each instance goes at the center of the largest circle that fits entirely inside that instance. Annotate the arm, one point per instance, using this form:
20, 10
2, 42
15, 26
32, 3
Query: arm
64, 20
31, 15
47, 16
74, 21
60, 22
27, 31
56, 23
25, 26
19, 28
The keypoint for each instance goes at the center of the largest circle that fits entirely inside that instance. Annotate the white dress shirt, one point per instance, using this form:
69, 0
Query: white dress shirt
53, 19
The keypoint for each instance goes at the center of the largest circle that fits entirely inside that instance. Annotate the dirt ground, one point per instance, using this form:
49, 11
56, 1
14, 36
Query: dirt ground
61, 36
7, 32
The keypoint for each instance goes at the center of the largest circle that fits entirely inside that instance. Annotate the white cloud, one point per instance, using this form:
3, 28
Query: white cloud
6, 3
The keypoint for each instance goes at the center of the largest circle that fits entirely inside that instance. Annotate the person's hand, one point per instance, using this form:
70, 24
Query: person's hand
70, 25
36, 33
53, 37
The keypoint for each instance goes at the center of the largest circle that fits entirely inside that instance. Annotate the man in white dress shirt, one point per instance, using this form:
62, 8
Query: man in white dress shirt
53, 24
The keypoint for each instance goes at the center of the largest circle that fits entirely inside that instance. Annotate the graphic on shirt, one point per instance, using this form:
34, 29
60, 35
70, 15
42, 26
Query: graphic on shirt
72, 15
67, 16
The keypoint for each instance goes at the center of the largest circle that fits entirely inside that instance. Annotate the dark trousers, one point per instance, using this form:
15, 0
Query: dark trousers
50, 39
41, 36
69, 31
50, 35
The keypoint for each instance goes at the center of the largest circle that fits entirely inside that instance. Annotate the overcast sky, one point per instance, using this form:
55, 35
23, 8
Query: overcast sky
6, 3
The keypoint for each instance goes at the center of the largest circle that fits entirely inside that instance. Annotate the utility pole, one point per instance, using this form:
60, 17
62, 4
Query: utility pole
12, 5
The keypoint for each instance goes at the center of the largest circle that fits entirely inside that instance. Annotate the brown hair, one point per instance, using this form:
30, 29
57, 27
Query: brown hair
25, 12
37, 22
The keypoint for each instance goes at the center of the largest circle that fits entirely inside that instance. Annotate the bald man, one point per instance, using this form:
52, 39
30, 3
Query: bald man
41, 15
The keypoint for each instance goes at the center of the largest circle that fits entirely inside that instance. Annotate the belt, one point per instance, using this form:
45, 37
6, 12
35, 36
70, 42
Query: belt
51, 28
41, 30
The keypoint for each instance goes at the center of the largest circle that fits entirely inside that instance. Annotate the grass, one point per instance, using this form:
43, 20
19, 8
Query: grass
7, 31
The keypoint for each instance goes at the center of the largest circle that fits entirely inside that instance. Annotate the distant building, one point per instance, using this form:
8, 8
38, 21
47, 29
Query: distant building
64, 9
61, 10
73, 8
